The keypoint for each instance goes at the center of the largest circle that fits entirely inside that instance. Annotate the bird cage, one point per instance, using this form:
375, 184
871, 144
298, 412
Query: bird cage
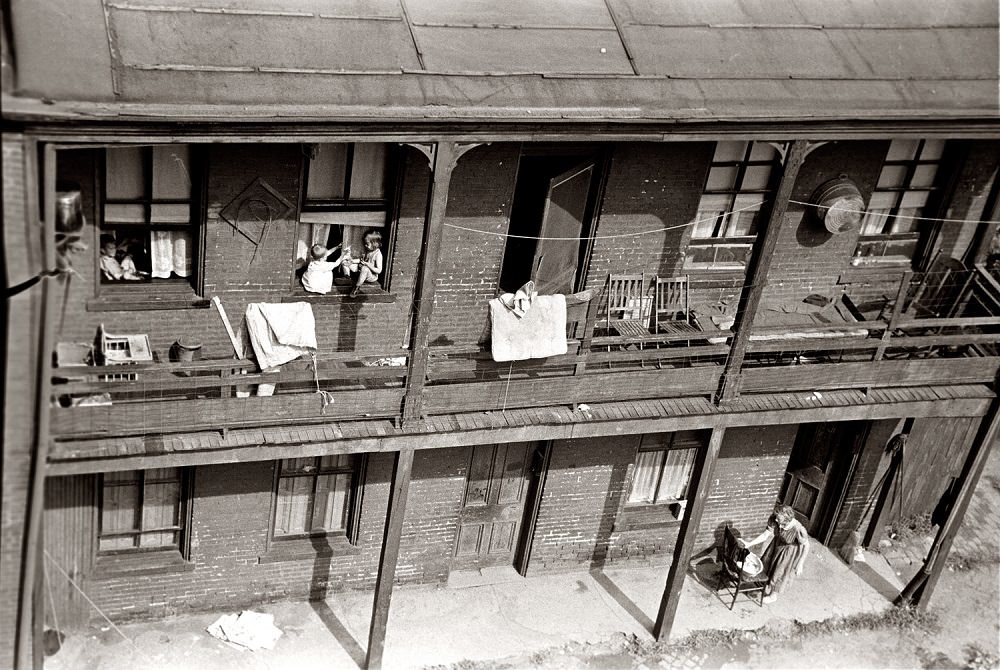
123, 350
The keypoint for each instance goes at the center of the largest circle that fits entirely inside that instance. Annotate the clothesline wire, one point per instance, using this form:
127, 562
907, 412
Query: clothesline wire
895, 216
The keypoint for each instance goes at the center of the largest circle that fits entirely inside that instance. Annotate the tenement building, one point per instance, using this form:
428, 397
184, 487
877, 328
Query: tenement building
758, 241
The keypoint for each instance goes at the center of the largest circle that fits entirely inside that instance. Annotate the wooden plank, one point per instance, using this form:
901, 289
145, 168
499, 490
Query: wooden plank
606, 387
399, 488
684, 548
173, 416
910, 322
819, 376
445, 158
588, 333
760, 264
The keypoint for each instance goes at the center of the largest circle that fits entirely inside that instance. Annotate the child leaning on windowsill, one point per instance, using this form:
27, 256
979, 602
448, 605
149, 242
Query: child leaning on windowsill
115, 266
318, 277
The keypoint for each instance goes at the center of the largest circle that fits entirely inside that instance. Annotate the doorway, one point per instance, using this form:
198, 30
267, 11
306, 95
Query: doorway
499, 504
815, 478
555, 200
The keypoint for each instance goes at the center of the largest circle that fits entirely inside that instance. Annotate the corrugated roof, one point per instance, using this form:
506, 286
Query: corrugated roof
714, 59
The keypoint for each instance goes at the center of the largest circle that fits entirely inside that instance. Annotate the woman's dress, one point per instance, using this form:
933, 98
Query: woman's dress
784, 553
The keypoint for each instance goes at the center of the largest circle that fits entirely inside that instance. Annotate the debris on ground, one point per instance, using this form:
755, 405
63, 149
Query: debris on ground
248, 630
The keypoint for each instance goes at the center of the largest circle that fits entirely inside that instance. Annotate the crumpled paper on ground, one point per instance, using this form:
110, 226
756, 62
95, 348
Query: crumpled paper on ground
248, 630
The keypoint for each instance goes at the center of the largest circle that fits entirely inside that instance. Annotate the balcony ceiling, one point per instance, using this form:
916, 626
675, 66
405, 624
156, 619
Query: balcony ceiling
517, 60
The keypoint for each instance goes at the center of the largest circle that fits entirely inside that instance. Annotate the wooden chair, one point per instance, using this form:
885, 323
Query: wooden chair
629, 306
731, 574
672, 306
941, 288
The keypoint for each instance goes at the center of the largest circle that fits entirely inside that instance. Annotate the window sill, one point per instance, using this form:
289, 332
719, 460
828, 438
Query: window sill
308, 549
112, 566
650, 516
340, 294
114, 298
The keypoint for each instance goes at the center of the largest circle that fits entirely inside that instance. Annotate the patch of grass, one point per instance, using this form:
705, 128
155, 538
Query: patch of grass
977, 658
917, 525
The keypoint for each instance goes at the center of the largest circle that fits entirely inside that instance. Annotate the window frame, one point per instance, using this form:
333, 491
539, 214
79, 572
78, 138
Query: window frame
179, 287
389, 205
684, 440
719, 241
182, 547
351, 532
922, 230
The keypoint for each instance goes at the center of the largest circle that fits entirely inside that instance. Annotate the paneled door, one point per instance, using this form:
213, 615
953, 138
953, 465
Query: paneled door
493, 508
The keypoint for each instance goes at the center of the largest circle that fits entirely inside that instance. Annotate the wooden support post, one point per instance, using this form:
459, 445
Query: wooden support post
399, 488
894, 315
921, 587
27, 617
588, 334
443, 159
701, 479
757, 272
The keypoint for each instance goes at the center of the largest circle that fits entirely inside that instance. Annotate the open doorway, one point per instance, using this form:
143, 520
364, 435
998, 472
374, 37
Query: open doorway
556, 198
816, 475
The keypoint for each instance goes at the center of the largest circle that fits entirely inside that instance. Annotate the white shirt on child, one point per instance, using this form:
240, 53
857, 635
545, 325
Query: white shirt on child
318, 277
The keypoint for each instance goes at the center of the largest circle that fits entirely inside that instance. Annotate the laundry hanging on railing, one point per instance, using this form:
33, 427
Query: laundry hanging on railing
280, 333
527, 325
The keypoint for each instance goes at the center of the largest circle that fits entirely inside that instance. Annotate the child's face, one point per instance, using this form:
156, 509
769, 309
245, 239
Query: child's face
109, 249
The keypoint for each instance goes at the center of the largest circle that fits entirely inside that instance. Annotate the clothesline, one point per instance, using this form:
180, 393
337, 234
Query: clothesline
697, 221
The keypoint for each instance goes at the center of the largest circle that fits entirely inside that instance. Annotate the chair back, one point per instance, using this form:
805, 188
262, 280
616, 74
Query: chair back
672, 299
733, 555
940, 288
627, 298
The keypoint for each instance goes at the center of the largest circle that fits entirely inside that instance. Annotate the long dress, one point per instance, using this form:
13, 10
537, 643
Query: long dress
783, 554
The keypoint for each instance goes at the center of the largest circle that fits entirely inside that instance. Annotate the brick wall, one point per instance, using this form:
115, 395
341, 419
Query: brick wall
230, 515
969, 197
807, 258
341, 326
746, 481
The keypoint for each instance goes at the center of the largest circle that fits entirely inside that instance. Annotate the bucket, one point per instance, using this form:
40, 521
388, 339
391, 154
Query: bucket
185, 351
752, 566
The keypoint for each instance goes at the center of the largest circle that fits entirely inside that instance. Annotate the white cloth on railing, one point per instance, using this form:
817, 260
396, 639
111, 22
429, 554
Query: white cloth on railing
280, 333
527, 325
170, 251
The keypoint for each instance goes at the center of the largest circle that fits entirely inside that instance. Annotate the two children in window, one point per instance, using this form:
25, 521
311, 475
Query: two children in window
319, 274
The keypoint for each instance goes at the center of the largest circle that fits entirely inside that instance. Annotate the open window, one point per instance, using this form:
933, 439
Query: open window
663, 467
150, 222
318, 496
741, 179
554, 204
349, 189
908, 185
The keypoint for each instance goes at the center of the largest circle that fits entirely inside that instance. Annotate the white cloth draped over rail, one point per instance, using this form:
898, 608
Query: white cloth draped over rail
170, 252
280, 333
527, 325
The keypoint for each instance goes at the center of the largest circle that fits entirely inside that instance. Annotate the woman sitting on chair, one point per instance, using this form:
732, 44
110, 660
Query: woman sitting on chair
785, 556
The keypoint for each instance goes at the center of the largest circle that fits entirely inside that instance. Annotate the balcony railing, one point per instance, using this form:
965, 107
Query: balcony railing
895, 347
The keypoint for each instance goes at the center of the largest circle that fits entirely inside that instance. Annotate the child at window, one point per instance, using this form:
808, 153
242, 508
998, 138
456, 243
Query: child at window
368, 267
115, 266
318, 277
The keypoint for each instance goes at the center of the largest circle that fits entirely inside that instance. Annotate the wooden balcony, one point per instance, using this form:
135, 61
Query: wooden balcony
894, 348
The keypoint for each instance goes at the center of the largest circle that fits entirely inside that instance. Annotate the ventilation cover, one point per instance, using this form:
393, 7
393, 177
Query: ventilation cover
839, 205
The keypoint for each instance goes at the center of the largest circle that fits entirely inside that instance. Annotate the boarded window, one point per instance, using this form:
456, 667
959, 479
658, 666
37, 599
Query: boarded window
141, 509
315, 496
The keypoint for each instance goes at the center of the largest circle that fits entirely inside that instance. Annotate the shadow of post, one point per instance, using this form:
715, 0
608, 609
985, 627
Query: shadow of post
319, 586
619, 597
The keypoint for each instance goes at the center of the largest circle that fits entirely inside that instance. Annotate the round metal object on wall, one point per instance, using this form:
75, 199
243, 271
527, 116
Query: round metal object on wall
839, 205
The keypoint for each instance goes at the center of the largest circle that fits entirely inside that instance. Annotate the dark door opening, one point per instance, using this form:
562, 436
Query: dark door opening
554, 199
815, 477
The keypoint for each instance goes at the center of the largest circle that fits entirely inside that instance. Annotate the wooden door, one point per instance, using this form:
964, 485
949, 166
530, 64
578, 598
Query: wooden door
493, 509
809, 480
557, 255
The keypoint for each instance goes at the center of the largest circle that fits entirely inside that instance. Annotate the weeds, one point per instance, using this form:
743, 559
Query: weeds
917, 525
977, 658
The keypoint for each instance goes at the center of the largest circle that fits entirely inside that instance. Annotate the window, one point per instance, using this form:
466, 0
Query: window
663, 468
142, 510
348, 188
148, 228
740, 180
317, 496
905, 186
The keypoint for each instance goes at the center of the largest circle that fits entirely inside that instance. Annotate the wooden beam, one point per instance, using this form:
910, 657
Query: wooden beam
398, 490
921, 587
588, 333
760, 265
686, 538
443, 159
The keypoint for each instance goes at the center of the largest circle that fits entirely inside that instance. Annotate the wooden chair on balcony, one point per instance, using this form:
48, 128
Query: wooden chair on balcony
629, 305
941, 294
672, 306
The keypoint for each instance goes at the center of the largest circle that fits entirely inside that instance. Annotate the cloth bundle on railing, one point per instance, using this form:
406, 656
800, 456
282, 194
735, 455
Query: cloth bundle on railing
527, 325
280, 333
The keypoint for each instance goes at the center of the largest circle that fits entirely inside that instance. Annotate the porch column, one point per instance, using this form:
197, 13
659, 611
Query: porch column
398, 490
442, 157
701, 482
759, 268
921, 587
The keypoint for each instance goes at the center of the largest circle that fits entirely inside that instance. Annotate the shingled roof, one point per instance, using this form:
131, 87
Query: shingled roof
517, 60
